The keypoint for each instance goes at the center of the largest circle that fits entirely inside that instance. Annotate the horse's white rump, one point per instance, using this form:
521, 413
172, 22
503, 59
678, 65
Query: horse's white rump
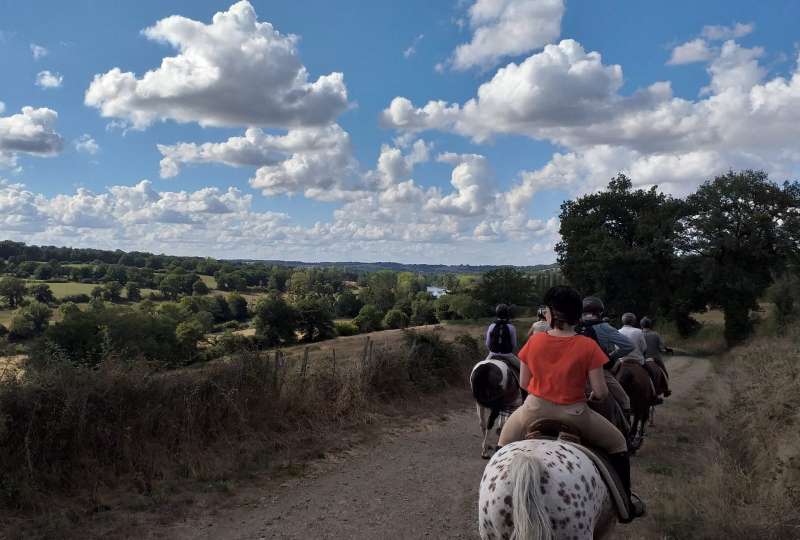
542, 489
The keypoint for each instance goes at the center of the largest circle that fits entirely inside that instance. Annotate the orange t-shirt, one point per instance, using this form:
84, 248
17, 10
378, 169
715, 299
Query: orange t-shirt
560, 366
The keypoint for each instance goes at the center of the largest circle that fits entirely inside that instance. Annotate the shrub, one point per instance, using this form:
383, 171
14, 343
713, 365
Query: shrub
395, 319
314, 321
347, 304
369, 319
13, 290
77, 298
30, 320
20, 327
231, 325
89, 337
133, 292
41, 292
237, 304
275, 321
345, 328
423, 312
199, 288
783, 294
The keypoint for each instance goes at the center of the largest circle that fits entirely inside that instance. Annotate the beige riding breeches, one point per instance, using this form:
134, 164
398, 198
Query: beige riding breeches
594, 429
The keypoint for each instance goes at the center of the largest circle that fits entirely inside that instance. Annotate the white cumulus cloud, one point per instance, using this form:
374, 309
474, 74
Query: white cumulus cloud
566, 96
236, 71
508, 27
48, 79
722, 33
32, 131
690, 52
86, 144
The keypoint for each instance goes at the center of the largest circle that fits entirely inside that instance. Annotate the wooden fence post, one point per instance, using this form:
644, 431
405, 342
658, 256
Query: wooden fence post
304, 369
366, 351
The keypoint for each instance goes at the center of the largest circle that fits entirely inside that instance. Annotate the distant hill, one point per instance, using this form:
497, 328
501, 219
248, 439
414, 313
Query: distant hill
399, 267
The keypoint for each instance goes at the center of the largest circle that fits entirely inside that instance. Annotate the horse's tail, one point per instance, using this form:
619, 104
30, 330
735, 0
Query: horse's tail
531, 521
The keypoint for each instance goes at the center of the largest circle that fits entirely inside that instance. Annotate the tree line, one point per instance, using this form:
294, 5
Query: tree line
722, 246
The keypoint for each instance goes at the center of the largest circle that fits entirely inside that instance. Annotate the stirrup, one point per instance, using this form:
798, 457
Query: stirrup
636, 508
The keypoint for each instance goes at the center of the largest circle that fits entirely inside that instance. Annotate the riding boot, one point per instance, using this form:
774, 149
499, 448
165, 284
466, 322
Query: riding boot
622, 465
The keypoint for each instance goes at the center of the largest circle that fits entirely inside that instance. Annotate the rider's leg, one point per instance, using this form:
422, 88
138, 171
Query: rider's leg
617, 391
655, 376
622, 465
664, 376
602, 433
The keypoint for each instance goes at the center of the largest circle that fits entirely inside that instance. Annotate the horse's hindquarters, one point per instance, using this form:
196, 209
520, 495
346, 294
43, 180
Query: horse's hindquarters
559, 488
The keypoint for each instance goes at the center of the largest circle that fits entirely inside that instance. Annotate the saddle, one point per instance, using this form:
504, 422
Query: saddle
558, 431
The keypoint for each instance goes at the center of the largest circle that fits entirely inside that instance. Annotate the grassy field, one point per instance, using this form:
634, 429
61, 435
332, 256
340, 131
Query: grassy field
60, 290
210, 282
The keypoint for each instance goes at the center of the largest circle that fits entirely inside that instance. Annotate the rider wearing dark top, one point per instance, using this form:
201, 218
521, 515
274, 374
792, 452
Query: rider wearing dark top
501, 338
613, 343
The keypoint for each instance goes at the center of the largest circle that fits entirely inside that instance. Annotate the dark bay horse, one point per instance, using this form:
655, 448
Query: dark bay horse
637, 384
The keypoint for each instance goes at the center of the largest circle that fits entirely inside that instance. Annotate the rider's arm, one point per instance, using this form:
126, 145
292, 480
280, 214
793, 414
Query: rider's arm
524, 376
488, 336
613, 341
598, 383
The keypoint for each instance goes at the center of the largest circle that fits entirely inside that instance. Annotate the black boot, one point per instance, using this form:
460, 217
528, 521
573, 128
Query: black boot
622, 465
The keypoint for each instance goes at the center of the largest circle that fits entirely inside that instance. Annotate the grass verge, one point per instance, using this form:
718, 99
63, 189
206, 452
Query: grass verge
71, 437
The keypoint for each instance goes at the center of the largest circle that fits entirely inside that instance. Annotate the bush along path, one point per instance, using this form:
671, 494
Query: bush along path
420, 481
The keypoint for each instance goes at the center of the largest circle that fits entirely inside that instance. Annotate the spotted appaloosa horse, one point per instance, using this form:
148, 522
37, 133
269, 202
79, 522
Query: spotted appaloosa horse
543, 490
495, 387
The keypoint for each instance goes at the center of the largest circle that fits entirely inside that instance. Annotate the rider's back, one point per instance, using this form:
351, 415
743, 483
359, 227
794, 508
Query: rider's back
636, 337
501, 337
560, 366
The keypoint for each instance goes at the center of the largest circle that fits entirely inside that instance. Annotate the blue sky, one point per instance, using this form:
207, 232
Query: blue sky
443, 140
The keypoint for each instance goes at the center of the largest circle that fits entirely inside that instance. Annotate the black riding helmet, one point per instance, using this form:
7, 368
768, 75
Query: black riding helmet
646, 322
592, 304
564, 303
502, 311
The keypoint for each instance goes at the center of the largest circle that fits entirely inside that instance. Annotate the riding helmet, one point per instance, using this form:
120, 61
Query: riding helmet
646, 322
592, 304
502, 311
629, 319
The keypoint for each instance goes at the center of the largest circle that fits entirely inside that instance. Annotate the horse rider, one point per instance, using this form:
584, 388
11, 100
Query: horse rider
636, 336
613, 343
541, 324
556, 366
501, 338
655, 346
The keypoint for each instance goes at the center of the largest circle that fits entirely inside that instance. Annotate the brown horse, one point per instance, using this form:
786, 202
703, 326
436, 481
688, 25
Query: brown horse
637, 384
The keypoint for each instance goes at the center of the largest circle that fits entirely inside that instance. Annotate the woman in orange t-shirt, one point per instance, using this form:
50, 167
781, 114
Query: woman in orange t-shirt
555, 366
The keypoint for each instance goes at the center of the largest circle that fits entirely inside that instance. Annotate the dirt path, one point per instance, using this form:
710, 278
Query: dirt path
416, 483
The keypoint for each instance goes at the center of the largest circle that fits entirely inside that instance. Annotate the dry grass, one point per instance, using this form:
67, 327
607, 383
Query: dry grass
350, 349
72, 438
725, 463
